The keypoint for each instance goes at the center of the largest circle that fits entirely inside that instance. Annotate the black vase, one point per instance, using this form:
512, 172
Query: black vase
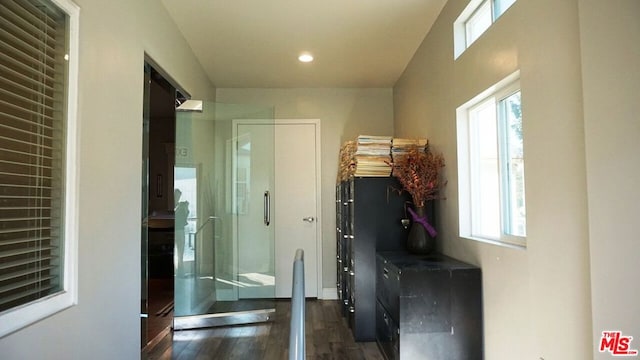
419, 240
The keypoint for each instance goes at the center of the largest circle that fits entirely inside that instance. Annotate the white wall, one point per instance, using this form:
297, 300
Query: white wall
344, 114
114, 35
610, 46
536, 301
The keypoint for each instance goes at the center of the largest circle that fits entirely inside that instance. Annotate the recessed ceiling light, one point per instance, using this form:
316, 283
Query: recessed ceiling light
305, 57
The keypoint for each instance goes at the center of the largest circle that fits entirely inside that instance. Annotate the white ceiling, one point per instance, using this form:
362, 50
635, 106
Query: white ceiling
255, 43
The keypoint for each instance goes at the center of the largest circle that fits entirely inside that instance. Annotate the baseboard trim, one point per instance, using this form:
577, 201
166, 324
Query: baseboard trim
330, 293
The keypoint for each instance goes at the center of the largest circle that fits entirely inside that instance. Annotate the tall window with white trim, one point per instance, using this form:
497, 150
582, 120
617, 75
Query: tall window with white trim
37, 151
491, 166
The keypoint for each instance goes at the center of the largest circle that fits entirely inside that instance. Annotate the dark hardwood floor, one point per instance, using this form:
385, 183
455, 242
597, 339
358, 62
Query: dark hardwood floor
327, 337
160, 309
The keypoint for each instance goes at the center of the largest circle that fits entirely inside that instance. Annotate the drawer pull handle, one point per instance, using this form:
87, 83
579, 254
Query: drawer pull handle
352, 273
385, 273
352, 309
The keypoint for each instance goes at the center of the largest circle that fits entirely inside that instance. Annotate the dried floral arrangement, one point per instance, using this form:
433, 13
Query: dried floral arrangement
418, 170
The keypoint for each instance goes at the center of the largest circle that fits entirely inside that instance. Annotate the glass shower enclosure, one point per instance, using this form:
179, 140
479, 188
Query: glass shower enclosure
224, 240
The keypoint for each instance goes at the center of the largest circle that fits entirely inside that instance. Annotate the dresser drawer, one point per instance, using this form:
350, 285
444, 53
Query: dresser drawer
388, 287
429, 307
387, 333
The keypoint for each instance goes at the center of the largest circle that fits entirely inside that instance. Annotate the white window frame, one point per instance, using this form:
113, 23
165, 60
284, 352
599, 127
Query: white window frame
471, 11
19, 317
467, 211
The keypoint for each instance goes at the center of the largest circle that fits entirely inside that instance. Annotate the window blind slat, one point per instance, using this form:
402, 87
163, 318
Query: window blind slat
25, 283
22, 198
20, 142
13, 132
28, 15
26, 272
11, 154
20, 204
52, 15
22, 240
24, 294
28, 52
22, 27
24, 89
27, 70
25, 175
46, 79
22, 262
25, 78
26, 143
40, 104
28, 111
9, 203
22, 186
19, 230
11, 253
14, 165
35, 182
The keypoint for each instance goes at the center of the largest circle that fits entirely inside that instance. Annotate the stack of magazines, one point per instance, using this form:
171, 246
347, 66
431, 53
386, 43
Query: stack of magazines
400, 146
373, 156
347, 161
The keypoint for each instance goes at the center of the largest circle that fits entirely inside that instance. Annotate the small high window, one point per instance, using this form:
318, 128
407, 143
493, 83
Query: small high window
474, 20
491, 166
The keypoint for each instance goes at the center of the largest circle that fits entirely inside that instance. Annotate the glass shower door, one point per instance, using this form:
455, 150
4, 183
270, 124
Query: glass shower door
224, 259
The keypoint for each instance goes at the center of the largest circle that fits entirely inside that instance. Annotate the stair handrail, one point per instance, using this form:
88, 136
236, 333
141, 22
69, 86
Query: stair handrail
297, 332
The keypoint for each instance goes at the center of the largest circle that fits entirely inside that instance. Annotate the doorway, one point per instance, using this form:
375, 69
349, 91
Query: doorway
157, 234
296, 201
222, 285
196, 209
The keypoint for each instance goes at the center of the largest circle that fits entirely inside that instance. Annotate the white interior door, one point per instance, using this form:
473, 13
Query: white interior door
296, 202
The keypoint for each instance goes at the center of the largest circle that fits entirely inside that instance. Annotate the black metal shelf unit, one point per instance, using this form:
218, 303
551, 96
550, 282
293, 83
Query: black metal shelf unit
369, 211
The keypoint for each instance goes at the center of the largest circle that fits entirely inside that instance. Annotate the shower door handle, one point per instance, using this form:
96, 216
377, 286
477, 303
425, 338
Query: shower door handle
267, 208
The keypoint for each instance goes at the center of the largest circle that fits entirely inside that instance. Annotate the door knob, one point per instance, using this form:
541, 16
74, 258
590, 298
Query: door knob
309, 219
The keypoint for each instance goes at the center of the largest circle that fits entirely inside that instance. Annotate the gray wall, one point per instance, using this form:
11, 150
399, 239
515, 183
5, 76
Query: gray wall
579, 71
114, 36
610, 48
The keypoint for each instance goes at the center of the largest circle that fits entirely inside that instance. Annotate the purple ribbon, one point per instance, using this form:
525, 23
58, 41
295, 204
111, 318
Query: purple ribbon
423, 221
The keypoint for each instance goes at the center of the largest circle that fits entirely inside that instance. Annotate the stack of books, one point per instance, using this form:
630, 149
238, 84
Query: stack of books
373, 156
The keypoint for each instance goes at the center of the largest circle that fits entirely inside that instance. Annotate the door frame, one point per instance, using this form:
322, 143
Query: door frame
318, 185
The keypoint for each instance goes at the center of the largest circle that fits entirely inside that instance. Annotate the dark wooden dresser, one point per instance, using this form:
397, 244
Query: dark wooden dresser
428, 307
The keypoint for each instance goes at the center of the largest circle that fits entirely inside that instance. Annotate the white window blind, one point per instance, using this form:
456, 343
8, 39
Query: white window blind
33, 78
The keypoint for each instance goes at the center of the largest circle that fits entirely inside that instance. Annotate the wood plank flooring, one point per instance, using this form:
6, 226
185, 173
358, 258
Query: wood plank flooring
327, 337
160, 295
